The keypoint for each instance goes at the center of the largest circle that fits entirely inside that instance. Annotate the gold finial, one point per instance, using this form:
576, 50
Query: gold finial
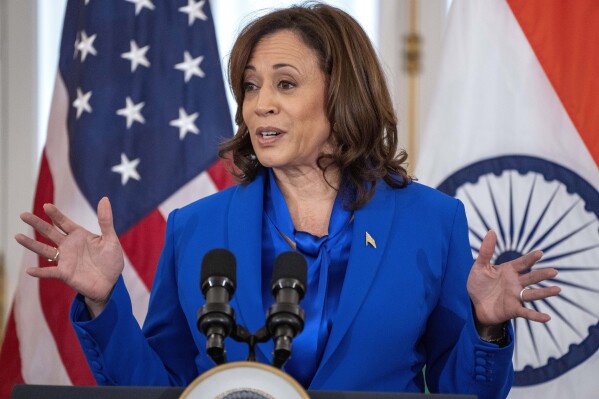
370, 240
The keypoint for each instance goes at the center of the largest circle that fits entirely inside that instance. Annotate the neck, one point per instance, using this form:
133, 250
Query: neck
309, 197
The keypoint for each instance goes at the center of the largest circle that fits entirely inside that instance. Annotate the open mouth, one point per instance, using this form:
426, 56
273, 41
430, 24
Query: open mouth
269, 134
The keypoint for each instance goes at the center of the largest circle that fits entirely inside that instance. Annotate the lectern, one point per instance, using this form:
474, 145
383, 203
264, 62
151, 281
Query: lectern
70, 392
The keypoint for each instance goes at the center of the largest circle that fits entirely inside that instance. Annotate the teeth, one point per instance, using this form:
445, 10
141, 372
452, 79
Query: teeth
269, 134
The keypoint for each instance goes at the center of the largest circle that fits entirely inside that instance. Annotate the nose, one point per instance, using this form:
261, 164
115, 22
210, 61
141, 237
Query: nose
266, 102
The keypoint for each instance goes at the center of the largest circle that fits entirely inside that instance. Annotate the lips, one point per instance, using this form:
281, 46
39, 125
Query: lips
268, 134
268, 131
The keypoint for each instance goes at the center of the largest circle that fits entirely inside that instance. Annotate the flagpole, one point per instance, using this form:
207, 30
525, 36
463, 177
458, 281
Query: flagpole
412, 66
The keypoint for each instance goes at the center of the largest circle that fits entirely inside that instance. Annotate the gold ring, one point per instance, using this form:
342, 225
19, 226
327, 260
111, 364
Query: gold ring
55, 258
522, 294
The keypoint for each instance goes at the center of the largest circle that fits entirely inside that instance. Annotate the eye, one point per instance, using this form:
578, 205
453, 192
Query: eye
286, 85
248, 86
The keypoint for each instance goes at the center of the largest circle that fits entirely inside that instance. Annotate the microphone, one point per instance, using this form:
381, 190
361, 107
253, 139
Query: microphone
216, 319
285, 318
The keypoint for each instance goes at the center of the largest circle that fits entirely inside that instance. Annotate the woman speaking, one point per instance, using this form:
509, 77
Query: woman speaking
392, 287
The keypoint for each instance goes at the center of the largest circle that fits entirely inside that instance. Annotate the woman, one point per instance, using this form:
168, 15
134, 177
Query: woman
390, 288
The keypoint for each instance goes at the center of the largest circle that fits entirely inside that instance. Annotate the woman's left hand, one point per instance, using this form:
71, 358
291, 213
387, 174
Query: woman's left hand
495, 290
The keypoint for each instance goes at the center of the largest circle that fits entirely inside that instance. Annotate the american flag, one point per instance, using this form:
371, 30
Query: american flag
139, 108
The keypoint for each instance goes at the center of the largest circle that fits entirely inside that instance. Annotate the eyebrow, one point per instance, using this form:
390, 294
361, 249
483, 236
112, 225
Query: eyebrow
275, 66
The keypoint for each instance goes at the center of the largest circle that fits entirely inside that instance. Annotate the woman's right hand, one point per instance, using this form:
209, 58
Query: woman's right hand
89, 263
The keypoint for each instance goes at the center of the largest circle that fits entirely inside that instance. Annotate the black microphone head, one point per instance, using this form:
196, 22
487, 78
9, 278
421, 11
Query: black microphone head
290, 265
218, 262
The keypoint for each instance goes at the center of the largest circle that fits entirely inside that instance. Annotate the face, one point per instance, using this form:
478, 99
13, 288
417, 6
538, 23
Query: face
284, 104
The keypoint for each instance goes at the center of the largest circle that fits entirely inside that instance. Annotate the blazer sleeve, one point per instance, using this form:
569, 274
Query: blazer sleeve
120, 353
457, 359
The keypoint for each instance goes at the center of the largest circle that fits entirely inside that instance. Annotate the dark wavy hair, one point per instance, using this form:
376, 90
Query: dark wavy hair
358, 104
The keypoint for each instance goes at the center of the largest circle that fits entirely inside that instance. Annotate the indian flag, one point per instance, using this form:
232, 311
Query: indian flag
513, 131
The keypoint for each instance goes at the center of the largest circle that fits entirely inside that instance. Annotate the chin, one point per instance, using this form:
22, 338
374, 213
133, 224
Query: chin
270, 162
267, 163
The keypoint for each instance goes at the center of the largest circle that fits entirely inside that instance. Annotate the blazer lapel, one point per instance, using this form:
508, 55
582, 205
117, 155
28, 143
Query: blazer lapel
372, 224
245, 241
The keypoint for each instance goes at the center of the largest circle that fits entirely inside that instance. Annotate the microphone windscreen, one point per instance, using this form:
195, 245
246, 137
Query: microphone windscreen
290, 265
218, 262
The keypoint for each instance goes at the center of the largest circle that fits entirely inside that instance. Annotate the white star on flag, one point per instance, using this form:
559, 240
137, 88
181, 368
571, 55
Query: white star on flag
137, 56
140, 4
82, 102
132, 112
191, 66
185, 123
127, 169
85, 44
194, 10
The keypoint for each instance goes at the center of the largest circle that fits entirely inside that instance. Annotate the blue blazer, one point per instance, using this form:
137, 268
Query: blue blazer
403, 304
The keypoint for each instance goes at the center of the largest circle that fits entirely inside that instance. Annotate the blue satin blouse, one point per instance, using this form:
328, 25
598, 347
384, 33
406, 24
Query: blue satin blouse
327, 259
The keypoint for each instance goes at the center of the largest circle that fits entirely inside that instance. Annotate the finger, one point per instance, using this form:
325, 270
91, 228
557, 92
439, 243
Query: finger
59, 219
45, 272
105, 218
43, 250
538, 275
535, 294
532, 315
527, 261
487, 248
41, 226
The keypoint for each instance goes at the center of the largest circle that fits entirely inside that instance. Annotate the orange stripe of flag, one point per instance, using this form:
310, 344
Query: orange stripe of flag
565, 38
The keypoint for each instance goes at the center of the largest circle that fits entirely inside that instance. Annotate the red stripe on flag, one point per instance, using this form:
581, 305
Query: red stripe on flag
565, 37
56, 297
143, 243
10, 359
219, 174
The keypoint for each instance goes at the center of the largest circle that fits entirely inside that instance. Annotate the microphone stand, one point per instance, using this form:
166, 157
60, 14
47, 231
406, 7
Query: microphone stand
285, 321
241, 334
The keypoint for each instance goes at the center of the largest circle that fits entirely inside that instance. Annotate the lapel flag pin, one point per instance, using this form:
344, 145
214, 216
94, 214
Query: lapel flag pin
370, 240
